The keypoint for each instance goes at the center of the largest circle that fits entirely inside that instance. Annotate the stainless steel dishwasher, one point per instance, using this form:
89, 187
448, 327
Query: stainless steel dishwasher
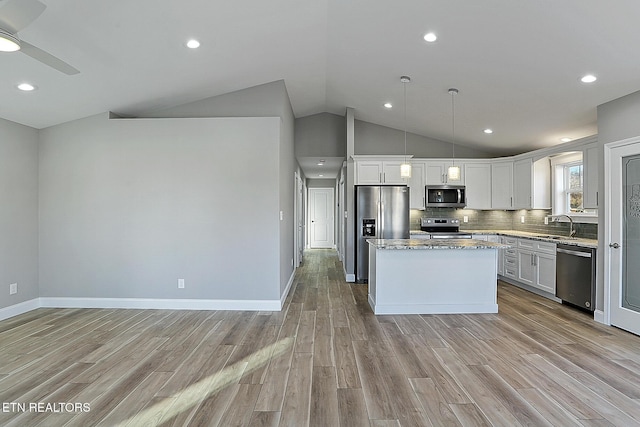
576, 275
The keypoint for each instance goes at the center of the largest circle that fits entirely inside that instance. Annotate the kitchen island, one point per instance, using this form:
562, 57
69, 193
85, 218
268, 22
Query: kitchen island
411, 276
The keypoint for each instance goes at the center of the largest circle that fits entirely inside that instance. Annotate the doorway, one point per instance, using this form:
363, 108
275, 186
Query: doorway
321, 218
622, 233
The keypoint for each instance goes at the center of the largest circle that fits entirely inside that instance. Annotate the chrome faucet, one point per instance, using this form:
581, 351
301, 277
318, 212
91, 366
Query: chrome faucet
572, 232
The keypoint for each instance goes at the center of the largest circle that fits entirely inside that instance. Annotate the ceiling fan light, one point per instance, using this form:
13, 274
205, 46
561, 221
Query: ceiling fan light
8, 42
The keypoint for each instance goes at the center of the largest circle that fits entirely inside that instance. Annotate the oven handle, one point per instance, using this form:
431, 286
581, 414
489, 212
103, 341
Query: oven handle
576, 253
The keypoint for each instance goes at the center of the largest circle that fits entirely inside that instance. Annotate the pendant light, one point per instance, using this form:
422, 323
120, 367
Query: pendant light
453, 173
405, 167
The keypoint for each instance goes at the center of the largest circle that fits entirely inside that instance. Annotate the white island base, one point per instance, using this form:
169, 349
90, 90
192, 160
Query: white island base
435, 278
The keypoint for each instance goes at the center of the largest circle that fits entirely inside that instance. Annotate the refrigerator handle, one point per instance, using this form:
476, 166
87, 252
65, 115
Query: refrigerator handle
381, 225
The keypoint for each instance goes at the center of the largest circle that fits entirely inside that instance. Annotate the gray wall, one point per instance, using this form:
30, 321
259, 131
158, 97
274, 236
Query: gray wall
617, 120
18, 212
381, 140
266, 100
129, 206
321, 135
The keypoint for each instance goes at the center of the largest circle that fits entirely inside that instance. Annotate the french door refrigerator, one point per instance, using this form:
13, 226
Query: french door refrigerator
382, 212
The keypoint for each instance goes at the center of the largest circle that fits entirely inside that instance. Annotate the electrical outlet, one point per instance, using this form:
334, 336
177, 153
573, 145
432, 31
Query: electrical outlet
13, 288
522, 219
180, 283
465, 218
546, 220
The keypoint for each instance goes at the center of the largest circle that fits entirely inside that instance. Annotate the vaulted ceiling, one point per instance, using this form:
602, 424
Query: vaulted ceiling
516, 63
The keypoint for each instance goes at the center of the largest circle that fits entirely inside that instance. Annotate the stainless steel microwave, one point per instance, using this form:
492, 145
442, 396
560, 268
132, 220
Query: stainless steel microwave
445, 196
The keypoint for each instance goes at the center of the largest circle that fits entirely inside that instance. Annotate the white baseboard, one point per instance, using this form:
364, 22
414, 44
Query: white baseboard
17, 309
598, 316
431, 308
351, 278
162, 304
283, 297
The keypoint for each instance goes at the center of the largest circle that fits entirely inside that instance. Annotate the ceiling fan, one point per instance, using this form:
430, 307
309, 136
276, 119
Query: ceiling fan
15, 15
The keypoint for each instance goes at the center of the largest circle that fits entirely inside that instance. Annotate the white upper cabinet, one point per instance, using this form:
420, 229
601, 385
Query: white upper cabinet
590, 157
501, 185
372, 171
368, 172
416, 185
532, 184
436, 172
478, 185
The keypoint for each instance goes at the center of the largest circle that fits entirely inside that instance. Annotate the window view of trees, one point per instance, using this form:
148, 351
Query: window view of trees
574, 187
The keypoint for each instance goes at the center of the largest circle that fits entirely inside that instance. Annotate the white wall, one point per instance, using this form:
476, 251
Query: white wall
18, 212
129, 206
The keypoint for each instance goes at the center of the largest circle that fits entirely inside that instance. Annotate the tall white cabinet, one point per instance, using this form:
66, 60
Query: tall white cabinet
478, 183
502, 185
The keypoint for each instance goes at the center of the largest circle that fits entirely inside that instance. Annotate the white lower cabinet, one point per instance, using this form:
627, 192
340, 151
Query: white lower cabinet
509, 257
536, 264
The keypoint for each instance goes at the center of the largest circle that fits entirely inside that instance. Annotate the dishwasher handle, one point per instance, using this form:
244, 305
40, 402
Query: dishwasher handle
576, 253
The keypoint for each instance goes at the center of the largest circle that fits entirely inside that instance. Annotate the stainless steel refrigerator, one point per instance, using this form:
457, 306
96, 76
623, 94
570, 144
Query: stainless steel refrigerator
382, 212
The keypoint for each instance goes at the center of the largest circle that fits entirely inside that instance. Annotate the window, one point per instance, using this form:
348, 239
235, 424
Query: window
568, 182
573, 188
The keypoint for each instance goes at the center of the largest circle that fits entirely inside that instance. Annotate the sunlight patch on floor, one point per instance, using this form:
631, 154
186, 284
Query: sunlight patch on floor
196, 393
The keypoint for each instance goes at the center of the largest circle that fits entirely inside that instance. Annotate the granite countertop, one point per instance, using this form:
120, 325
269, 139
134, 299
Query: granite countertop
434, 244
545, 237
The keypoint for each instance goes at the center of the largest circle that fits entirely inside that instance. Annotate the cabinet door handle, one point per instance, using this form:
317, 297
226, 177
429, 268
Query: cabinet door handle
597, 201
511, 201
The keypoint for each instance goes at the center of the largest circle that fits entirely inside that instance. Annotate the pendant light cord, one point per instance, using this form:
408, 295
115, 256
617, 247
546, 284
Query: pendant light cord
404, 87
453, 93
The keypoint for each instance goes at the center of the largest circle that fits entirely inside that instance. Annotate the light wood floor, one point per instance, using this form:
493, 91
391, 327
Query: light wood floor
325, 360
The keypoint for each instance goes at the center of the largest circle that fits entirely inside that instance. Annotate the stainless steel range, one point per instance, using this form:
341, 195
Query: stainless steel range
443, 228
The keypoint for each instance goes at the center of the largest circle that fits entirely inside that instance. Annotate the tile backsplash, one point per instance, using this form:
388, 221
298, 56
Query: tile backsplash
505, 220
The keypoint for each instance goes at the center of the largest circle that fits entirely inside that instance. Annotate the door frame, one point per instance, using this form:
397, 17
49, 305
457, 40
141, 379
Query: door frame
608, 220
332, 210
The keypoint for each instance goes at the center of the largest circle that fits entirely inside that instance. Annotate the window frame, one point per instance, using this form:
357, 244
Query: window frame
560, 203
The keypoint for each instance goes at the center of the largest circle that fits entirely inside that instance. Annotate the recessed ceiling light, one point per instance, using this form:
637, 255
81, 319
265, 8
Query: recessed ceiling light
430, 37
589, 78
26, 87
320, 175
388, 105
193, 44
488, 130
565, 139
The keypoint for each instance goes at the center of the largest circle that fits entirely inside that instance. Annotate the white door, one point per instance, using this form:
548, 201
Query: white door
321, 217
622, 233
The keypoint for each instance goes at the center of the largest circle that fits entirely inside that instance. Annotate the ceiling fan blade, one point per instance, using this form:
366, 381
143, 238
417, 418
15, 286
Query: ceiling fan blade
17, 14
47, 59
